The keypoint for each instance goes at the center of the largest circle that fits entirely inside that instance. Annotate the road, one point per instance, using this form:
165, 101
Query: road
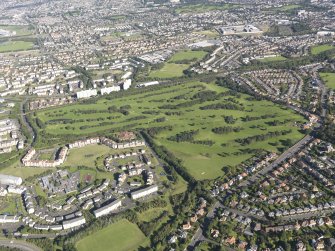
284, 156
198, 236
25, 246
323, 96
306, 216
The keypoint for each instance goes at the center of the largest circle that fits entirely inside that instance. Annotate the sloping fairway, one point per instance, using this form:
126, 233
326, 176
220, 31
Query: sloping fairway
329, 79
120, 236
189, 107
321, 48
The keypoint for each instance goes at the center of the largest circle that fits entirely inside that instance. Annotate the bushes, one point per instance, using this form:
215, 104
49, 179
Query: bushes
266, 116
153, 131
262, 137
44, 243
226, 129
186, 136
151, 204
229, 119
204, 142
205, 95
226, 106
148, 227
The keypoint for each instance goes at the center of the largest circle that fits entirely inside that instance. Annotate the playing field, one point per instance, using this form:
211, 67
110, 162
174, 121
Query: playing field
181, 107
328, 79
272, 59
15, 46
187, 55
208, 33
120, 236
86, 156
23, 172
177, 64
321, 48
169, 70
288, 7
18, 30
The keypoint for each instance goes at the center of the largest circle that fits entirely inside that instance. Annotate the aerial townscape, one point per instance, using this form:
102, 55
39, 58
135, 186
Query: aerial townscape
167, 125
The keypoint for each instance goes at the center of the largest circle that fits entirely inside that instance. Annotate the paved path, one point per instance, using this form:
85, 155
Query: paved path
25, 246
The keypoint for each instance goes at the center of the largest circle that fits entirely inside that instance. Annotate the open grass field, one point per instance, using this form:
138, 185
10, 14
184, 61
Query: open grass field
177, 64
321, 48
11, 205
187, 55
208, 33
328, 79
178, 106
169, 70
198, 8
86, 156
47, 155
120, 236
24, 172
272, 59
15, 46
20, 30
288, 7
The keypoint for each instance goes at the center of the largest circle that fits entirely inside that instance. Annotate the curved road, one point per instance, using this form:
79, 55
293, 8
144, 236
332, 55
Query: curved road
25, 246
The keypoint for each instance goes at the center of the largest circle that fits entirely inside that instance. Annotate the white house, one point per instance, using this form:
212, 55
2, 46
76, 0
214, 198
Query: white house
107, 209
144, 192
87, 93
76, 222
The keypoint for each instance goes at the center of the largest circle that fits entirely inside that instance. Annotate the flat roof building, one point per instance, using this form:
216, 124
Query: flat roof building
144, 192
76, 222
10, 180
107, 209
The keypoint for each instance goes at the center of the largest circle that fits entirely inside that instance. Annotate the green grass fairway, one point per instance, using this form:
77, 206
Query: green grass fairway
328, 79
272, 59
15, 46
156, 107
169, 70
187, 55
321, 48
120, 236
